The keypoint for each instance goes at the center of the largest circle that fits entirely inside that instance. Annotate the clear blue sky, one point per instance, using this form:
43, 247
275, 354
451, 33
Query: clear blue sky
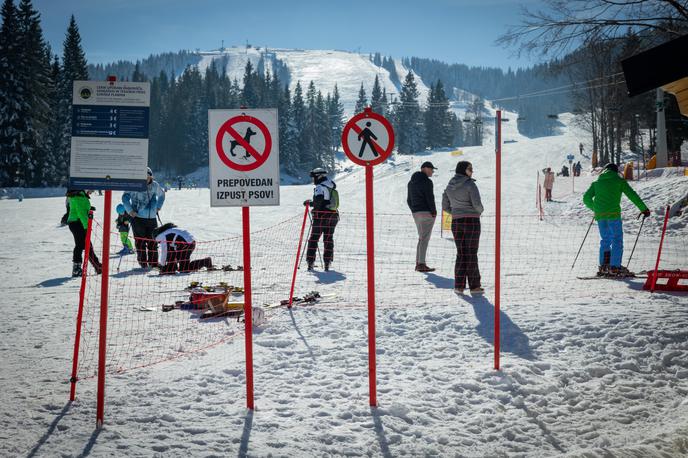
454, 31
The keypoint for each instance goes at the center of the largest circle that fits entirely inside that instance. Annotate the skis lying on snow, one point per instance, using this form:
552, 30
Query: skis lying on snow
226, 268
310, 298
614, 277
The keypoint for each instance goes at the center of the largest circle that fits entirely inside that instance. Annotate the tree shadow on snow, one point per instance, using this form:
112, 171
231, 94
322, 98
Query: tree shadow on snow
246, 435
50, 430
331, 276
380, 431
440, 281
512, 340
53, 282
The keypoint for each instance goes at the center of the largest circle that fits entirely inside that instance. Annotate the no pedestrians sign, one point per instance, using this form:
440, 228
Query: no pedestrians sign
244, 157
368, 138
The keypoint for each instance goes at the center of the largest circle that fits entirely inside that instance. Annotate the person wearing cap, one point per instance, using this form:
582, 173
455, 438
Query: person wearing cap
603, 197
421, 201
143, 207
325, 217
461, 198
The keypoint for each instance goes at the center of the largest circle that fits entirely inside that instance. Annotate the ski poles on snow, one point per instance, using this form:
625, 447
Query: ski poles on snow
636, 240
583, 243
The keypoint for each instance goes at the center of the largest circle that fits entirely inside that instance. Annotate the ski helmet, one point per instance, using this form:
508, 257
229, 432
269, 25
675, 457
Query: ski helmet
120, 209
318, 171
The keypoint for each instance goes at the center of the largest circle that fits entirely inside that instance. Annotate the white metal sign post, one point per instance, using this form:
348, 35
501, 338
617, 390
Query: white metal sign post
244, 171
368, 139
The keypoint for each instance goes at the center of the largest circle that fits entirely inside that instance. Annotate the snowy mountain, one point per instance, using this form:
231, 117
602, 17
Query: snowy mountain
325, 68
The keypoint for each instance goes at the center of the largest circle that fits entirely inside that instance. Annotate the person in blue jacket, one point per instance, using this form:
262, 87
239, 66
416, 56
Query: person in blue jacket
143, 207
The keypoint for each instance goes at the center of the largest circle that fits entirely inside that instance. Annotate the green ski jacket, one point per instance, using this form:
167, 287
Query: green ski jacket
604, 196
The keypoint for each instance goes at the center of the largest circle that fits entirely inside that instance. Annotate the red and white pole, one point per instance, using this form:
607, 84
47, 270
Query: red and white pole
498, 219
370, 236
104, 284
80, 312
248, 322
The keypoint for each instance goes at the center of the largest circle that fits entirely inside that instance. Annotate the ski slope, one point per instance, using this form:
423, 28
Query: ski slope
324, 67
589, 373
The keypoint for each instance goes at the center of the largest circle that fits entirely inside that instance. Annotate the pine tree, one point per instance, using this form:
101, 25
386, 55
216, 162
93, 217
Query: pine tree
34, 73
362, 101
250, 95
73, 69
335, 111
50, 171
298, 118
376, 97
13, 101
409, 128
437, 125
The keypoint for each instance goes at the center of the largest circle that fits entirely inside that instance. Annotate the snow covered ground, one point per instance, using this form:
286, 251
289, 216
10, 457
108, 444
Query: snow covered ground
589, 368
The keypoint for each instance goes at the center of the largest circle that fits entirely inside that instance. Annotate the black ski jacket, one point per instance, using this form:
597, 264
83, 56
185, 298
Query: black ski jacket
420, 196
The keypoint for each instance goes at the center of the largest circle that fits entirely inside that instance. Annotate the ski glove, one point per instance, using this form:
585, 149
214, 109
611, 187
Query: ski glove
306, 203
646, 213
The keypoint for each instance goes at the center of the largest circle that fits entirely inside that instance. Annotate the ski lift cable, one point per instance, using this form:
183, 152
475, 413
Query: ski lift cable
562, 89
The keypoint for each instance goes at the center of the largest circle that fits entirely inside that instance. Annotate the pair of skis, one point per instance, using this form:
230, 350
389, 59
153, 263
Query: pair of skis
313, 297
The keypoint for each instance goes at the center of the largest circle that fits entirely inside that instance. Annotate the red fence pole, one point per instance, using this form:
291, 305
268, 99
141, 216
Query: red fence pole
80, 312
104, 283
498, 218
298, 255
371, 284
248, 323
659, 251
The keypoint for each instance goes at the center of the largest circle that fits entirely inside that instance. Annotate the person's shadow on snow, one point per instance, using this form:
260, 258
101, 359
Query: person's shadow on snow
53, 282
513, 340
439, 281
331, 276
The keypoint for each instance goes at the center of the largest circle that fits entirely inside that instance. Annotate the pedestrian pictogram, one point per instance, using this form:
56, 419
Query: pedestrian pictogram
247, 140
368, 138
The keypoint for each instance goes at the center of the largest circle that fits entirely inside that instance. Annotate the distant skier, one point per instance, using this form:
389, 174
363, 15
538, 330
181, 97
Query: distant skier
144, 206
123, 222
604, 198
367, 134
461, 198
176, 247
421, 202
325, 217
79, 206
549, 183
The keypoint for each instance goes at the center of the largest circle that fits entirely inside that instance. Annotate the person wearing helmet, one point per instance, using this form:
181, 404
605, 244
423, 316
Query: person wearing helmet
604, 198
122, 222
176, 247
325, 203
143, 207
79, 208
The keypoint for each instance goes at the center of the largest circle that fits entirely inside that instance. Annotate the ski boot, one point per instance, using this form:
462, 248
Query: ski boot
620, 272
310, 267
603, 270
76, 269
327, 266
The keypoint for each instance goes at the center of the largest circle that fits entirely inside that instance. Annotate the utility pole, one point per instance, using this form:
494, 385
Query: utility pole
661, 150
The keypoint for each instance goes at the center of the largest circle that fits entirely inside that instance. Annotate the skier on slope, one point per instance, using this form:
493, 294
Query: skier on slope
604, 198
325, 217
176, 247
122, 222
79, 206
143, 207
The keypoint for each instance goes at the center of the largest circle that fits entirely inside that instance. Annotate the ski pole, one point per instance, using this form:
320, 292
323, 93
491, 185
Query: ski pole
583, 243
636, 241
310, 227
158, 215
317, 247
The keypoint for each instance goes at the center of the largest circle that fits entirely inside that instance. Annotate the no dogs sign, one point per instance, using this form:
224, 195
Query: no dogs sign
244, 157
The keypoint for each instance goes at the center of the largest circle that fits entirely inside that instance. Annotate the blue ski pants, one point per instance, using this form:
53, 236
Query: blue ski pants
611, 240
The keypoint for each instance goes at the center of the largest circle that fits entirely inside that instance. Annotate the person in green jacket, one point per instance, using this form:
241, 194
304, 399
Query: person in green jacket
79, 206
604, 198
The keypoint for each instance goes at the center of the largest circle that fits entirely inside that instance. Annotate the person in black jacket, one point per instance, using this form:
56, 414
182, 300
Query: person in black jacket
421, 201
325, 217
